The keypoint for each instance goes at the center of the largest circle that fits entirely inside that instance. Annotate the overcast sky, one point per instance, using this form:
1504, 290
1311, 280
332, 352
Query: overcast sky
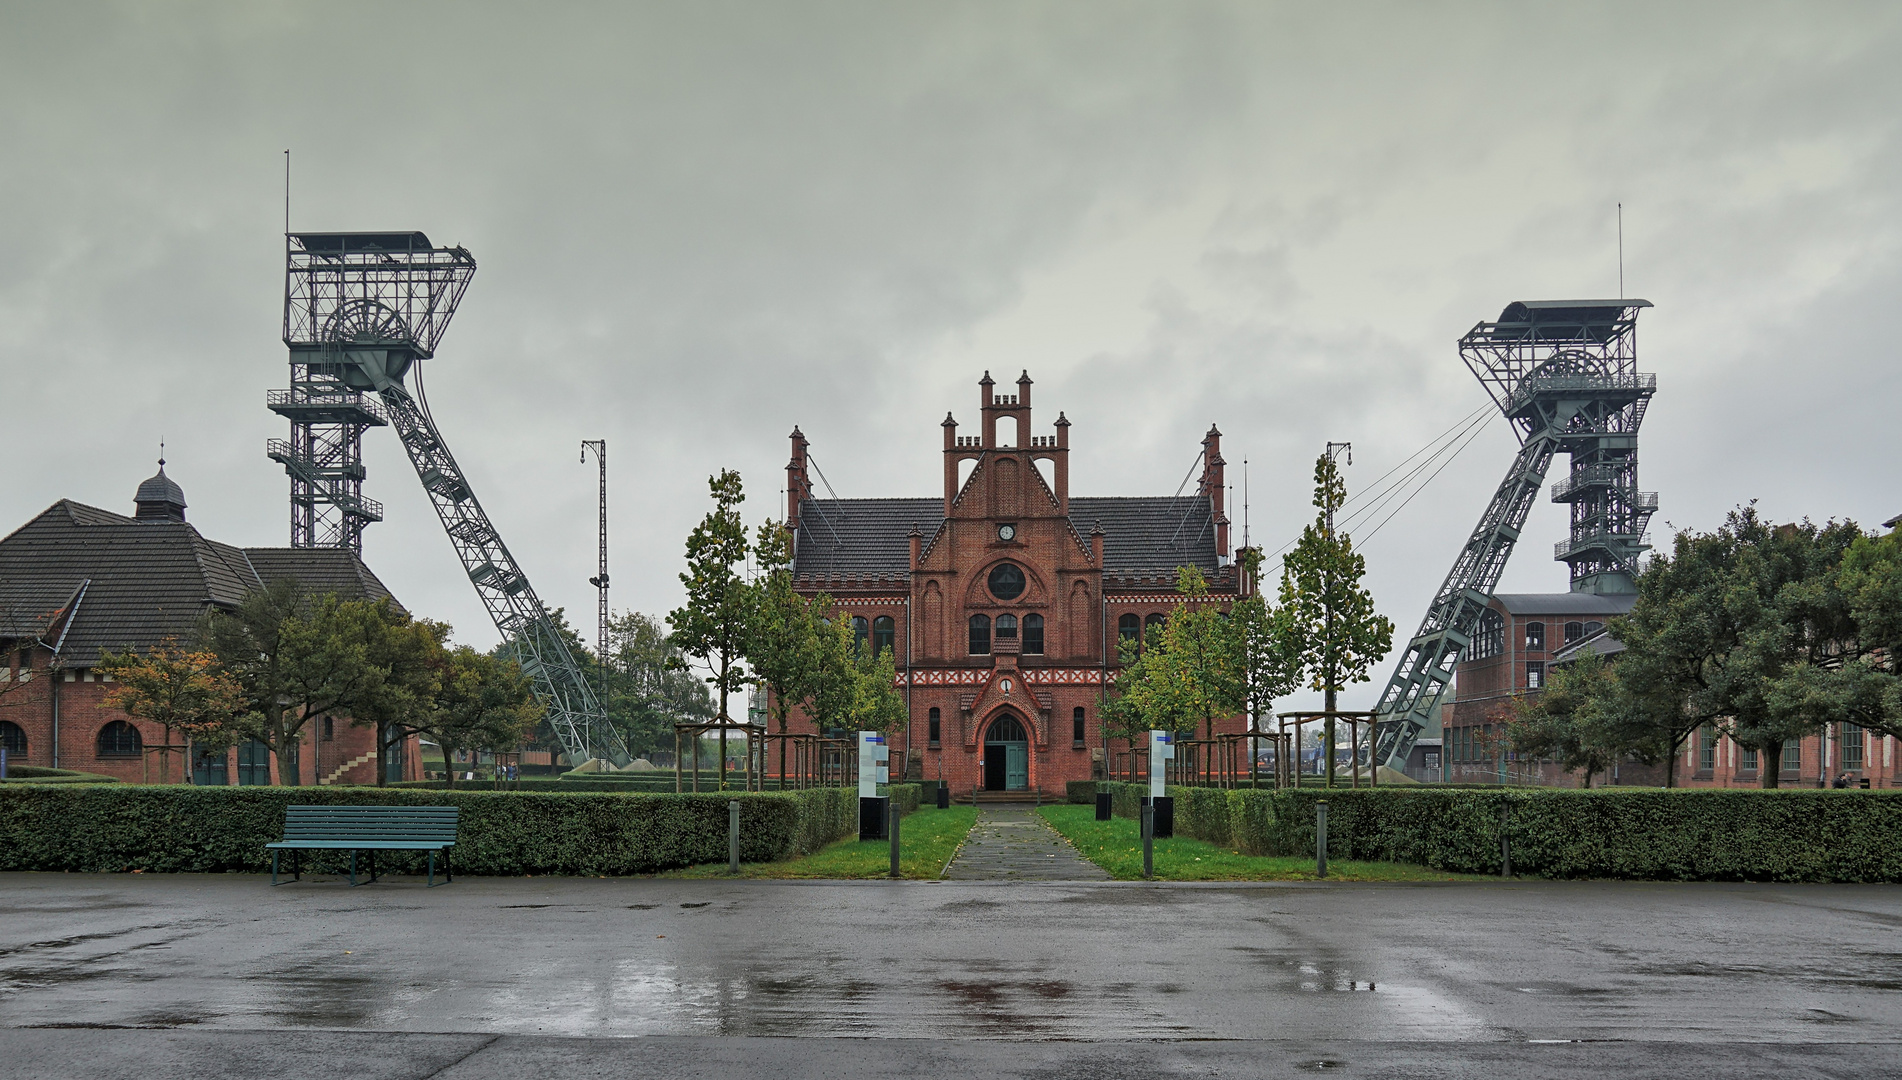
701, 223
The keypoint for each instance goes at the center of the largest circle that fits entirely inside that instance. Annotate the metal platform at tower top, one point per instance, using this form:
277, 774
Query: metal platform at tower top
361, 309
1565, 374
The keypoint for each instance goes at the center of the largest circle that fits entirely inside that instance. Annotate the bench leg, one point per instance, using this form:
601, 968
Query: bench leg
373, 867
448, 874
353, 868
274, 867
297, 865
432, 871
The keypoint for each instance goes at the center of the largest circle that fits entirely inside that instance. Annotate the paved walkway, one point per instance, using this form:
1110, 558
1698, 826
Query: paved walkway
1015, 843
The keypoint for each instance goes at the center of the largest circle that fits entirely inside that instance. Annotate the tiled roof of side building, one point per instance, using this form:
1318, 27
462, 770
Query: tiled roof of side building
1566, 603
145, 582
870, 536
322, 570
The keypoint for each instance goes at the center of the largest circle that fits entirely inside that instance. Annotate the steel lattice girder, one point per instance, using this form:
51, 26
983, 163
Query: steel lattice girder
1565, 374
359, 310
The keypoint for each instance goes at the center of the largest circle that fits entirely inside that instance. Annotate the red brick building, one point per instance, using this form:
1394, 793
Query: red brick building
1003, 598
1523, 636
77, 581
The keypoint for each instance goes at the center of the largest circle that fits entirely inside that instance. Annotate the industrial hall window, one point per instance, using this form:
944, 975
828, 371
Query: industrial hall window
861, 630
1749, 763
1792, 756
1033, 634
932, 731
13, 738
119, 739
1129, 628
1706, 749
884, 635
1007, 628
1535, 675
980, 634
1852, 746
1490, 639
1574, 631
1076, 727
1535, 637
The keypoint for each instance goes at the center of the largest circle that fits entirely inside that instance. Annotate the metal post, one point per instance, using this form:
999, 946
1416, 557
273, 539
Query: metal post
733, 837
1149, 839
1320, 838
891, 826
1505, 844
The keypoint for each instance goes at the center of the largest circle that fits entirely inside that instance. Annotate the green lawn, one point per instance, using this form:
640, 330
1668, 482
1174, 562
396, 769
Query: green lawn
928, 837
1116, 846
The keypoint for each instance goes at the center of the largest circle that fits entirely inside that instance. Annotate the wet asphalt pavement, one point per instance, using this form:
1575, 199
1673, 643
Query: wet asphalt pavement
1015, 843
1553, 979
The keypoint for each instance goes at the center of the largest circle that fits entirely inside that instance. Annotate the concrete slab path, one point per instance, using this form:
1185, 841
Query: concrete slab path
1015, 843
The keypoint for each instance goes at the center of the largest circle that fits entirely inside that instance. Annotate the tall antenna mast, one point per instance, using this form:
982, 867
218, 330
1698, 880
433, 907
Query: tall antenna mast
287, 192
1621, 251
600, 583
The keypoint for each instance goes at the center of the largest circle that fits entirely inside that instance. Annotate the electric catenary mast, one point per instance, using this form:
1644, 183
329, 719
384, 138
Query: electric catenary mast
1565, 373
360, 310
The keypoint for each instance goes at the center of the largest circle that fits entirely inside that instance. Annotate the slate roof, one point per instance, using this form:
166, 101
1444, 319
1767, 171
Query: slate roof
1153, 534
1565, 603
90, 580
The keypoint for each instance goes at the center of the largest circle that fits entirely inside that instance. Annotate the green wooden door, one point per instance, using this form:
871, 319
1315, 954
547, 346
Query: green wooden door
1016, 766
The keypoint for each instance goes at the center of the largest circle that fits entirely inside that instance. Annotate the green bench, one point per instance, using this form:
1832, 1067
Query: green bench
367, 828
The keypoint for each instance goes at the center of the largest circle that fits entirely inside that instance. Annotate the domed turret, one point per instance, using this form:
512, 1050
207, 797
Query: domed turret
160, 499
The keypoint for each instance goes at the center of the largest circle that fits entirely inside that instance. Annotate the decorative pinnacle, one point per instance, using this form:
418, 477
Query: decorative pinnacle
948, 422
1062, 421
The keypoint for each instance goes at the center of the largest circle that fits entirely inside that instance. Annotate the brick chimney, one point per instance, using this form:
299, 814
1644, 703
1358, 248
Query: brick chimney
1215, 487
796, 482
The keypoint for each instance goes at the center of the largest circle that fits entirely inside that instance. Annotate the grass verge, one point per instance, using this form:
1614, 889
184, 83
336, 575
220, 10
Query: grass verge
928, 837
1116, 846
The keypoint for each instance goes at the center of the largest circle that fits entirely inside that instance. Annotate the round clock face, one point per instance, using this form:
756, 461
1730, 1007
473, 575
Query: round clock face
1007, 532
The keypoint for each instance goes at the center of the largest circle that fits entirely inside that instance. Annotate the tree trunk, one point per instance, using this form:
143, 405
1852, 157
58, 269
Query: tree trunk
1769, 764
1329, 738
448, 764
382, 732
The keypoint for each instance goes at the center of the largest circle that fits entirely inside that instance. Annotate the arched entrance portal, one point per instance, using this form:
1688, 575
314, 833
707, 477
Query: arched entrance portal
1006, 755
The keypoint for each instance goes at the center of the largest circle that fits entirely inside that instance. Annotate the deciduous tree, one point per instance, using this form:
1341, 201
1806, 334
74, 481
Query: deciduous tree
712, 627
181, 690
1329, 616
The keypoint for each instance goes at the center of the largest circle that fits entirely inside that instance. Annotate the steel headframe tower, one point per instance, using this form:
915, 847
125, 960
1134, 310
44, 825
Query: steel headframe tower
1565, 373
360, 309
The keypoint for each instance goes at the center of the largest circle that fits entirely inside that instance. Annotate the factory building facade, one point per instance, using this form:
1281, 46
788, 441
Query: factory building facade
1003, 598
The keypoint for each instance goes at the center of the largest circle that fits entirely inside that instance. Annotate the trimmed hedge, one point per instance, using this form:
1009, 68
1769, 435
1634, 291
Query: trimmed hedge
40, 774
214, 829
1649, 834
1080, 791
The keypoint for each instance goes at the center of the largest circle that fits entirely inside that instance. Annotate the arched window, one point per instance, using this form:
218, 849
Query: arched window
1593, 628
1077, 731
1033, 634
1574, 631
119, 739
1006, 729
980, 634
861, 630
1007, 627
935, 729
1152, 626
1535, 636
884, 635
13, 737
1490, 639
1129, 628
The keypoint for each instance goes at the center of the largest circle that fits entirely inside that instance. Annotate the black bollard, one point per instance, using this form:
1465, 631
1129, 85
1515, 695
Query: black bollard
1149, 840
1103, 805
733, 837
892, 827
1320, 838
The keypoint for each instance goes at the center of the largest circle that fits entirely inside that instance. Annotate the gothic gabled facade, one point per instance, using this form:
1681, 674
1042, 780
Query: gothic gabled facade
1003, 599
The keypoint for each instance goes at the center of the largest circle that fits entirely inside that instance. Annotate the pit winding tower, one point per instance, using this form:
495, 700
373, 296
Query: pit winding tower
1565, 373
361, 310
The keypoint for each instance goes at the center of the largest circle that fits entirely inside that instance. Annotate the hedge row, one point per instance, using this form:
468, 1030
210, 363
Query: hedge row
1648, 834
40, 774
214, 829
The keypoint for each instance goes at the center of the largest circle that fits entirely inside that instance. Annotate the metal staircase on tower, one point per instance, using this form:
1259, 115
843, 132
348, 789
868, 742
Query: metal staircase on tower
1565, 374
360, 311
